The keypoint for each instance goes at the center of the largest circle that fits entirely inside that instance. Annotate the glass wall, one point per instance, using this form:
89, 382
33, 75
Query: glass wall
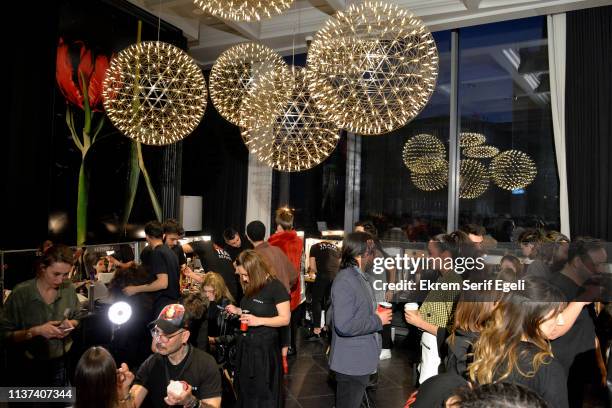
504, 96
392, 195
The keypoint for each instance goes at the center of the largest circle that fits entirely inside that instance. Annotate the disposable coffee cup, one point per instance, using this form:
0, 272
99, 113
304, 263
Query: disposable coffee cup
382, 306
411, 306
244, 326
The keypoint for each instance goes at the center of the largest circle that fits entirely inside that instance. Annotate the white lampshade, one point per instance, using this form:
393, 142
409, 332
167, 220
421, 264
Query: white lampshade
190, 214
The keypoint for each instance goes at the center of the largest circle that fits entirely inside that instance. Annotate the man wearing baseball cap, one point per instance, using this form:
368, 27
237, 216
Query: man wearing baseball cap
177, 374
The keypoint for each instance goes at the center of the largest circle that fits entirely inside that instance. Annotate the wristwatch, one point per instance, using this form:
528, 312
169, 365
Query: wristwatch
28, 334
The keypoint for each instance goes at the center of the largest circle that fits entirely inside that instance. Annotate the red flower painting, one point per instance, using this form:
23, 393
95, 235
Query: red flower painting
79, 77
86, 79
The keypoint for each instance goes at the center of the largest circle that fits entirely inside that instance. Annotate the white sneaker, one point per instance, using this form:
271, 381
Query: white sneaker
385, 354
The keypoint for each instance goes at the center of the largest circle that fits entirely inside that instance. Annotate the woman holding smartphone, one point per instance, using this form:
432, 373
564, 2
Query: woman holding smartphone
38, 318
263, 309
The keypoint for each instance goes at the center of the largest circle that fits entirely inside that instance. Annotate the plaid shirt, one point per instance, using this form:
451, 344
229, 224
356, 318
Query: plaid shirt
439, 305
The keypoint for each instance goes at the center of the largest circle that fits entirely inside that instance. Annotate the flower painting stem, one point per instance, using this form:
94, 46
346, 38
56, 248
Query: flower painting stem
82, 205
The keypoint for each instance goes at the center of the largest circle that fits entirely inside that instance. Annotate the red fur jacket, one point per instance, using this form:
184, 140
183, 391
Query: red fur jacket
292, 246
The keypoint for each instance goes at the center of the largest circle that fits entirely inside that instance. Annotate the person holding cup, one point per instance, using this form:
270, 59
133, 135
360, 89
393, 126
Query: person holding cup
157, 382
356, 321
263, 310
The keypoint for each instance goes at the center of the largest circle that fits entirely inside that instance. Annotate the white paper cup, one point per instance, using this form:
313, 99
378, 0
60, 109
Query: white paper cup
411, 306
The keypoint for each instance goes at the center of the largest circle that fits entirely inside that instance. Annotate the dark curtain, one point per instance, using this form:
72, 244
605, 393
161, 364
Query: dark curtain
588, 123
30, 48
215, 166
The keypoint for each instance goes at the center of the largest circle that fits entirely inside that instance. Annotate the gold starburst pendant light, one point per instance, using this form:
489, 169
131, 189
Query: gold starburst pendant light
299, 139
250, 85
424, 153
471, 139
372, 68
434, 180
154, 93
473, 179
481, 152
513, 169
243, 10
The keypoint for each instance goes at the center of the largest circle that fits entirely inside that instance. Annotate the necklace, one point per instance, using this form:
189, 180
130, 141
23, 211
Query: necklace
186, 363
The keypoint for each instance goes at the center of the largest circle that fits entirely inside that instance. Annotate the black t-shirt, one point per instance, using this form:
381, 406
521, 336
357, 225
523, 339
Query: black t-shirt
198, 369
581, 337
145, 257
178, 251
263, 304
549, 382
234, 252
216, 259
162, 260
327, 258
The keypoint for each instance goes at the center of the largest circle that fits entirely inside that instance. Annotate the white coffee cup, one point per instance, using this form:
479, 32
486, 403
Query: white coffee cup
411, 306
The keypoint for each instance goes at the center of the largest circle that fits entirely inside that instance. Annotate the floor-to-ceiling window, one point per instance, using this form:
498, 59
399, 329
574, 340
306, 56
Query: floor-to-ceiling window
504, 96
410, 203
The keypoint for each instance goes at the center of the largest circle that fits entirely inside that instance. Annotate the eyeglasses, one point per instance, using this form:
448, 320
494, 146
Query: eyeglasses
164, 338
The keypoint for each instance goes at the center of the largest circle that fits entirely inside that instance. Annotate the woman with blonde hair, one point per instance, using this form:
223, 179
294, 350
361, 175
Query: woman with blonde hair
215, 289
263, 309
514, 346
218, 297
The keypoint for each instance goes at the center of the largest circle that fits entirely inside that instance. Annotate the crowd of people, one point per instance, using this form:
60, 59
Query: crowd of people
228, 343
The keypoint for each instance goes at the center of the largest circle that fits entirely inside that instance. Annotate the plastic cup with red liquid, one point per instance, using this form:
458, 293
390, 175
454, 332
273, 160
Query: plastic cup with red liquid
244, 326
384, 306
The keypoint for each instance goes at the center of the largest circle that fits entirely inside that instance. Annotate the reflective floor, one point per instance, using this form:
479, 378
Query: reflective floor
308, 385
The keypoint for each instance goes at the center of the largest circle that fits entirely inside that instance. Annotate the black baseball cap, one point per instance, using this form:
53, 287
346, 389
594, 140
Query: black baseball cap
172, 318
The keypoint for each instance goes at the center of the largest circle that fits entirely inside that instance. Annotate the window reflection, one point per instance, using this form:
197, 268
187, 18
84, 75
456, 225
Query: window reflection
389, 196
504, 94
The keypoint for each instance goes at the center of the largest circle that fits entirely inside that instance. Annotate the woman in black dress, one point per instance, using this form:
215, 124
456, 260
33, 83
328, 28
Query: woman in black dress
259, 353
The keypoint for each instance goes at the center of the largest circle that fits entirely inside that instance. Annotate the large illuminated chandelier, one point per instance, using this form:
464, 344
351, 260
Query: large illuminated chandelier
423, 153
243, 10
154, 93
372, 68
299, 139
512, 169
250, 85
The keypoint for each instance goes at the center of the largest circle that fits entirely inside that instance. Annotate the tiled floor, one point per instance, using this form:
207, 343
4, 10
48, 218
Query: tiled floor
307, 385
